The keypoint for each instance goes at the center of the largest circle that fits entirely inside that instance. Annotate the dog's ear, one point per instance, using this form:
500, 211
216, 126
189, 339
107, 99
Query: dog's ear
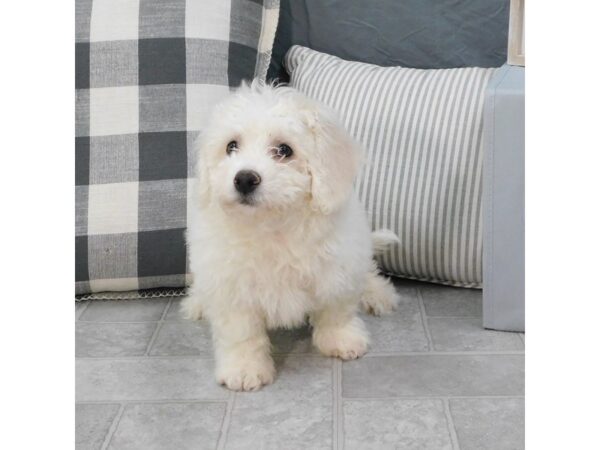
334, 161
201, 186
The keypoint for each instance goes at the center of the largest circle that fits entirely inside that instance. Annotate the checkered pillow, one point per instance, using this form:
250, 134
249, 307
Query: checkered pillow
147, 74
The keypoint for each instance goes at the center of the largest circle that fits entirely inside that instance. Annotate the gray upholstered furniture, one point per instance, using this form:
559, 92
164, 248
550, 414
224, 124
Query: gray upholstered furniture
424, 34
504, 201
441, 34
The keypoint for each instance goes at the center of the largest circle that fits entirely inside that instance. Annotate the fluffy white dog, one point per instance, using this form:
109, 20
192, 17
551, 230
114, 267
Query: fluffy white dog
277, 234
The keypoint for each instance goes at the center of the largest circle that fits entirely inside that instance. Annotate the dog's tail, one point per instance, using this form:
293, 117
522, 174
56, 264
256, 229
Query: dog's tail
382, 239
380, 296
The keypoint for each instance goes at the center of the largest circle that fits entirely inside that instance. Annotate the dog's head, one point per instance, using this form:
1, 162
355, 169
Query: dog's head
272, 149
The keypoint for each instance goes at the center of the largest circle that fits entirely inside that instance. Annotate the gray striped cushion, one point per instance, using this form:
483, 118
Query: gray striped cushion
422, 132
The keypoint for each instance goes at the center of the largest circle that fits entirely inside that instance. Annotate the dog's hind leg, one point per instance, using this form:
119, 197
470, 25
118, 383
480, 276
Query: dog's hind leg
339, 332
191, 307
380, 296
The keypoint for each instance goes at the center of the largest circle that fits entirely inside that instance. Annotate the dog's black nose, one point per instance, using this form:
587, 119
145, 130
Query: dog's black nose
246, 181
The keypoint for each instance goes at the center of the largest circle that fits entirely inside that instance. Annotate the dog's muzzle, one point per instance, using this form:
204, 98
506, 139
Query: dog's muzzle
246, 182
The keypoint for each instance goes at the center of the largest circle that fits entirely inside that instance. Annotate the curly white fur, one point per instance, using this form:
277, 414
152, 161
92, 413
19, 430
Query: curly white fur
303, 246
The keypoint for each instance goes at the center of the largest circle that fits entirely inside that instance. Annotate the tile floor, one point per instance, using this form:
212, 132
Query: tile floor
433, 379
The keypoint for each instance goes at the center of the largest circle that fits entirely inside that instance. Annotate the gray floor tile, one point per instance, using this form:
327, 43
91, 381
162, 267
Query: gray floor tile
400, 331
142, 310
293, 413
286, 424
297, 410
112, 339
491, 423
92, 422
396, 424
183, 338
194, 338
173, 313
444, 301
146, 379
80, 307
298, 377
468, 334
298, 340
434, 375
166, 426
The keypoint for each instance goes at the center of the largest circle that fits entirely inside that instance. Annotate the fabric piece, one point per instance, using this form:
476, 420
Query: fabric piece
424, 34
147, 75
422, 134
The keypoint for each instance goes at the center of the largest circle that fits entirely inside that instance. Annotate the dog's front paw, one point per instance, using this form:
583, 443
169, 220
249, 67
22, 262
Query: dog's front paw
247, 376
345, 342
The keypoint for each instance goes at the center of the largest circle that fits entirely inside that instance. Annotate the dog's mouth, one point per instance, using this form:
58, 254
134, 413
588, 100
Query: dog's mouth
247, 200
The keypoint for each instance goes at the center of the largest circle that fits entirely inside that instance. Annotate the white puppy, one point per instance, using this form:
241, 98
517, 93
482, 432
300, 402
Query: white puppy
277, 234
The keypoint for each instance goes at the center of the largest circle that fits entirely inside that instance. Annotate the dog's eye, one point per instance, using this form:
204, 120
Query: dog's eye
231, 147
284, 151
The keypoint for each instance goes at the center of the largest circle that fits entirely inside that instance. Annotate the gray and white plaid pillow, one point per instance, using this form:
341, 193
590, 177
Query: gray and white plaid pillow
147, 74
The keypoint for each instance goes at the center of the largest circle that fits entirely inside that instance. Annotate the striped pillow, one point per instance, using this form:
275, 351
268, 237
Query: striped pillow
422, 132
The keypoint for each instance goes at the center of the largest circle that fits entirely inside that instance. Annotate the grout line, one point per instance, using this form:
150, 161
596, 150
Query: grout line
453, 317
341, 430
158, 327
450, 423
334, 407
226, 421
208, 357
81, 311
433, 397
337, 413
113, 427
166, 310
424, 320
152, 339
458, 318
150, 401
448, 353
121, 322
370, 354
144, 358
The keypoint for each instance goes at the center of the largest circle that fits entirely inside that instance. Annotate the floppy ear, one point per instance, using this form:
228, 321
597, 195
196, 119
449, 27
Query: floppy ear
201, 185
334, 162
